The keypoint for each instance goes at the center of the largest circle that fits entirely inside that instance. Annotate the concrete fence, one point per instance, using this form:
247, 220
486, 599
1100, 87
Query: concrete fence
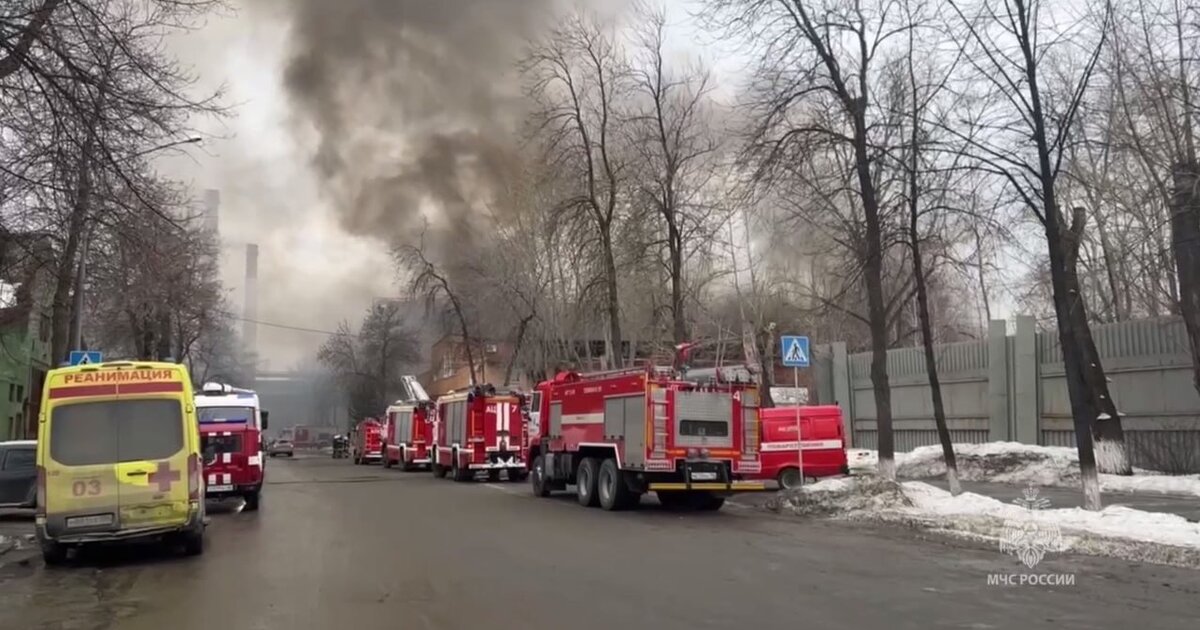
1011, 386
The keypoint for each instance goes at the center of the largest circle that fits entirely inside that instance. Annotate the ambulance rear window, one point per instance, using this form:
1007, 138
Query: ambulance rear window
84, 434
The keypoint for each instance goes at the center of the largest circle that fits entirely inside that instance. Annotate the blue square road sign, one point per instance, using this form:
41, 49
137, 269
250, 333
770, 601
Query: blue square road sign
85, 357
794, 350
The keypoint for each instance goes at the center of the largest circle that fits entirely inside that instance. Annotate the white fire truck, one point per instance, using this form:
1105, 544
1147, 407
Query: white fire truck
619, 434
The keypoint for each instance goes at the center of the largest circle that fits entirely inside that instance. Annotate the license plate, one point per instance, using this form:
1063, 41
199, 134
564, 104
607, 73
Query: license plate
224, 488
90, 521
704, 476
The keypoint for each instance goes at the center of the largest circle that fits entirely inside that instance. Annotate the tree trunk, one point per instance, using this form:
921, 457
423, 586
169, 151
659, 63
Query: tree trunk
60, 310
1185, 239
612, 301
876, 307
766, 358
678, 319
914, 235
521, 328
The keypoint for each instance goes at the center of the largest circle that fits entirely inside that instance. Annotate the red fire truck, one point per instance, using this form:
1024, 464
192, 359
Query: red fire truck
408, 429
479, 429
231, 426
366, 442
619, 434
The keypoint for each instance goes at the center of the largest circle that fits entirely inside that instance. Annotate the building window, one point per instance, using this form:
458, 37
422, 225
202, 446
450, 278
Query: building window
12, 391
20, 393
44, 328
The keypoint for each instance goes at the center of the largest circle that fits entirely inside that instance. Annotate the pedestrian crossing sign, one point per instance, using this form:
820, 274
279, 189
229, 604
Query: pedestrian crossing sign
794, 351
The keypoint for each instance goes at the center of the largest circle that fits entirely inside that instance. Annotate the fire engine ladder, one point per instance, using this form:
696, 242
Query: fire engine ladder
415, 391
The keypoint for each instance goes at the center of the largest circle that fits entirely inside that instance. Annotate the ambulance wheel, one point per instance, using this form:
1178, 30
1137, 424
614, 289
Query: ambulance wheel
610, 485
193, 543
493, 476
585, 482
53, 554
251, 499
788, 478
537, 480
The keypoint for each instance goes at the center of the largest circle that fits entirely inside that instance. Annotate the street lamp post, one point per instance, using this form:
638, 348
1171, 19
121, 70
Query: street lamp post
75, 340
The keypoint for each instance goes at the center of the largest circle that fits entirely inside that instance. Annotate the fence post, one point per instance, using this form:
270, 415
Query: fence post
1025, 375
998, 381
841, 388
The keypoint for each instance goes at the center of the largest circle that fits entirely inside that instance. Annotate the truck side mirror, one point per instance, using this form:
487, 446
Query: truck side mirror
265, 415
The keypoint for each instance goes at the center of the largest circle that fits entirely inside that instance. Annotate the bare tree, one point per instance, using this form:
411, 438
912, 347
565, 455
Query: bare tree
675, 147
368, 364
578, 79
916, 91
1010, 50
88, 92
433, 283
814, 92
1155, 77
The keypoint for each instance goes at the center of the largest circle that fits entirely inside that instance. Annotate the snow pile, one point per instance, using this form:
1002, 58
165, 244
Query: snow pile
1021, 464
1115, 530
1017, 528
999, 462
841, 497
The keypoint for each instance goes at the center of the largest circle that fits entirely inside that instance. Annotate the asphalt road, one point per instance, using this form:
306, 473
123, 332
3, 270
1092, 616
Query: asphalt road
338, 546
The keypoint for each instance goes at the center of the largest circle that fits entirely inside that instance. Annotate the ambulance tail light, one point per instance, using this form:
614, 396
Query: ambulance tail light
193, 477
41, 492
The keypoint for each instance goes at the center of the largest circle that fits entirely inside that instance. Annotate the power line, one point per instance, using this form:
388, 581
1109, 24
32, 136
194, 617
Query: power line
285, 326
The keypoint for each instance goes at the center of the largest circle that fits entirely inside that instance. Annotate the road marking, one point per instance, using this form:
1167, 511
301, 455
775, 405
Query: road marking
504, 489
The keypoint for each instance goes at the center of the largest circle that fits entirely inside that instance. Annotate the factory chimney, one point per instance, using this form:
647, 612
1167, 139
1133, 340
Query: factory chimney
250, 308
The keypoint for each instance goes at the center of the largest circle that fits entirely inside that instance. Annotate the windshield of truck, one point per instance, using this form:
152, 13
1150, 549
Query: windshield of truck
84, 434
225, 414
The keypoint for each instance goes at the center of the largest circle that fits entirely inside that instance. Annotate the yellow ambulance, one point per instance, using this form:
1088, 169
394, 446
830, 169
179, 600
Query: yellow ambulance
118, 458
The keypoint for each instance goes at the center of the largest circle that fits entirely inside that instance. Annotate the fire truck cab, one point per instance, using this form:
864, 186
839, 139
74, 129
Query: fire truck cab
616, 435
408, 429
479, 430
231, 436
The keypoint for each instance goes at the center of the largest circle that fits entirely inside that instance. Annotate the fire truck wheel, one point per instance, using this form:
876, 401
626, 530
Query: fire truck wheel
672, 500
251, 499
788, 478
538, 478
387, 461
459, 473
706, 501
585, 482
493, 476
610, 484
516, 475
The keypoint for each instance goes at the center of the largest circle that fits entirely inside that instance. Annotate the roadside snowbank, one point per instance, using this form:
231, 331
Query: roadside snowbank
1021, 464
1115, 531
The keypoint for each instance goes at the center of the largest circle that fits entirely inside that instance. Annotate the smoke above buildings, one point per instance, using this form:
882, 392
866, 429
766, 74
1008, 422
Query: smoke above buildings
411, 105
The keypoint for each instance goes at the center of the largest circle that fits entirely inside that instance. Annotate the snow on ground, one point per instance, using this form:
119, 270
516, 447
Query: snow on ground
1021, 464
1115, 531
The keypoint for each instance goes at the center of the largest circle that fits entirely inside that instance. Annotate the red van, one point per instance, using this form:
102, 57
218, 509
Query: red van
824, 443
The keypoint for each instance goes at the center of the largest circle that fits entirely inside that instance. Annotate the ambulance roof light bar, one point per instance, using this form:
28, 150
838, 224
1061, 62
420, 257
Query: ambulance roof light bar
216, 388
